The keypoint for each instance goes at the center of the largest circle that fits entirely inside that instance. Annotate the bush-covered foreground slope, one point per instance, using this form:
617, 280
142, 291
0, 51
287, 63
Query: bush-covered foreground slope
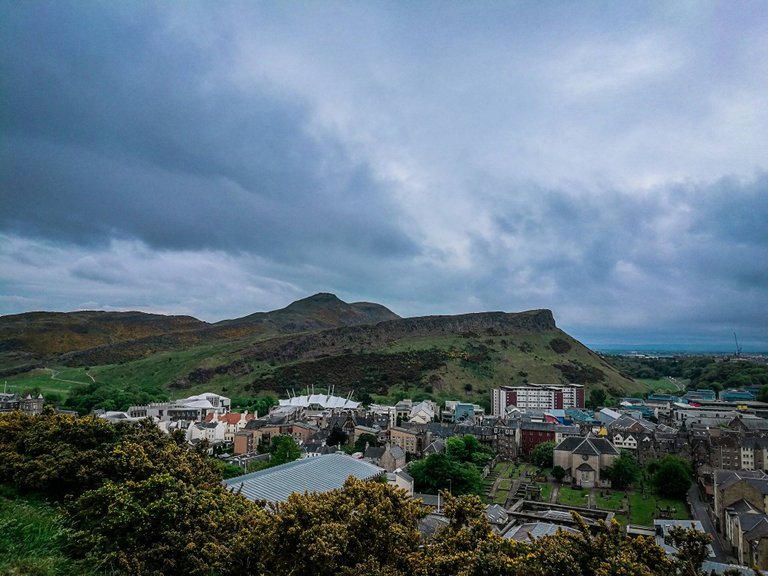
135, 501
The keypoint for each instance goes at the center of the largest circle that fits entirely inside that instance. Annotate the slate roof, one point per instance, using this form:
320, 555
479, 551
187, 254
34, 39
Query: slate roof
759, 530
588, 445
749, 521
375, 452
396, 452
435, 447
628, 423
755, 423
725, 478
496, 514
585, 468
431, 524
741, 507
403, 474
535, 530
318, 474
586, 448
569, 443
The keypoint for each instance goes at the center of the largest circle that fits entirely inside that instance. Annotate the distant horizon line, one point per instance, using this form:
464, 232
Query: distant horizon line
667, 348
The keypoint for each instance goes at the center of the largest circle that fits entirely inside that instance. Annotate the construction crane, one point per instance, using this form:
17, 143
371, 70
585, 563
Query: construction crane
738, 348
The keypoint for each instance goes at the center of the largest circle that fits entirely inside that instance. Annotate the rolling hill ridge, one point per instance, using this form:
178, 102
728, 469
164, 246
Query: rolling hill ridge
320, 341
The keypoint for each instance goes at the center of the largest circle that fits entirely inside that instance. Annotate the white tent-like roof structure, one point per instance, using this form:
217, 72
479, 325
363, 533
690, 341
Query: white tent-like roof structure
322, 401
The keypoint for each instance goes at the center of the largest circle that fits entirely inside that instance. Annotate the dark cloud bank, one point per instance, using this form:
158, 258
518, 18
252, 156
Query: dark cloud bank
129, 159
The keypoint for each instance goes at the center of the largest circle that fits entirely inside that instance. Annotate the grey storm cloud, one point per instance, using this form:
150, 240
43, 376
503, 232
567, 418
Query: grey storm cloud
139, 140
603, 161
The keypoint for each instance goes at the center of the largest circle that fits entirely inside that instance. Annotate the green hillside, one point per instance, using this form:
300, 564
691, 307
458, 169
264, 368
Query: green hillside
435, 357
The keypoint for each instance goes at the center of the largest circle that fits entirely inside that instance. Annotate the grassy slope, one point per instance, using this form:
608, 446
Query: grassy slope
501, 362
58, 381
508, 365
32, 540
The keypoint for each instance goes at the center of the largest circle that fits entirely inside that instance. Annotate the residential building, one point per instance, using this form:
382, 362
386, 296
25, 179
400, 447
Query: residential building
629, 433
423, 412
213, 432
741, 512
401, 479
534, 433
408, 441
538, 396
28, 404
388, 457
233, 421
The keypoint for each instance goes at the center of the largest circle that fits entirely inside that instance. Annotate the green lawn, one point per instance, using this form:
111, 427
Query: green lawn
517, 471
500, 498
611, 500
571, 497
643, 511
504, 469
546, 491
504, 485
547, 472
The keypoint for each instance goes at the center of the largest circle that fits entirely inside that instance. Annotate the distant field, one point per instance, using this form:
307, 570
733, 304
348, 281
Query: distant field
48, 381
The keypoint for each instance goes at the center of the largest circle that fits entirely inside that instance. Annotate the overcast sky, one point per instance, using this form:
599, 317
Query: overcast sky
606, 160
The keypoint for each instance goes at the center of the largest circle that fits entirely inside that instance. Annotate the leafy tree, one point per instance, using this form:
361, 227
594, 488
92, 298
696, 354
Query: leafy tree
597, 398
558, 473
543, 454
364, 439
282, 450
624, 470
672, 477
226, 469
440, 472
337, 436
467, 448
256, 465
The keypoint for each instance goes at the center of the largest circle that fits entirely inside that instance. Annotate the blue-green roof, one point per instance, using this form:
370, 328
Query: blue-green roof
316, 474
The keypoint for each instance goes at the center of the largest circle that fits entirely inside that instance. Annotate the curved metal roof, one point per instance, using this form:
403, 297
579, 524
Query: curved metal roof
316, 474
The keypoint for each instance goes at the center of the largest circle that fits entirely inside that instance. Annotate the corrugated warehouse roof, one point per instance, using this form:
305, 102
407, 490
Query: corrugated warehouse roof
318, 474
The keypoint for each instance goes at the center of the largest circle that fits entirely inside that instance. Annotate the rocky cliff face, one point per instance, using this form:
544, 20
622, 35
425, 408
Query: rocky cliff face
307, 346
